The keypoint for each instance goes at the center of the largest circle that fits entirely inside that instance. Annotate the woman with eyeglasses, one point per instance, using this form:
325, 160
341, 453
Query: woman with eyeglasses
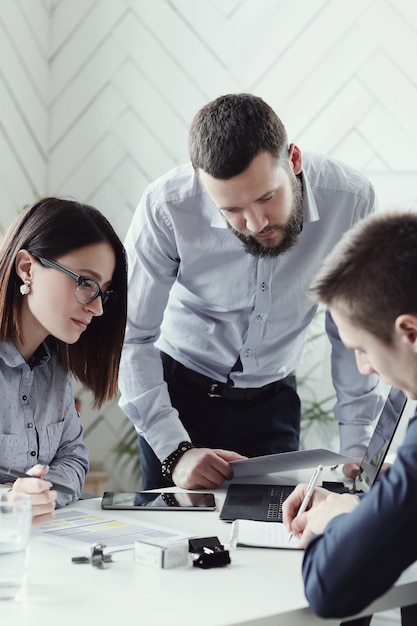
63, 292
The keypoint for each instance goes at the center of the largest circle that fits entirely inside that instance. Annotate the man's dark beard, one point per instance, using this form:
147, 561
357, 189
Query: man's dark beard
290, 230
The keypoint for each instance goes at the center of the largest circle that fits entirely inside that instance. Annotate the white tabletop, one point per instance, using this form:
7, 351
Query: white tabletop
260, 587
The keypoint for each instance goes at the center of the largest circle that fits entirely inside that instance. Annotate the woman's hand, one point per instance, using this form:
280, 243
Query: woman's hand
43, 497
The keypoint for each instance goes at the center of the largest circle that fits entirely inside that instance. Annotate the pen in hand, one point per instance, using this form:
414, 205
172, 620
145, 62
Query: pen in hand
309, 492
18, 474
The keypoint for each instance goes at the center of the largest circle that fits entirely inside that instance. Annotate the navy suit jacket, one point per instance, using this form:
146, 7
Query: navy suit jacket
361, 554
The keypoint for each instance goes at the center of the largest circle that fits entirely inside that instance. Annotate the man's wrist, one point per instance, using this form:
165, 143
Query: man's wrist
171, 460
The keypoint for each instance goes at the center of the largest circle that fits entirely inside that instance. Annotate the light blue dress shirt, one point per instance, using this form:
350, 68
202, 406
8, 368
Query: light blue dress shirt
198, 296
38, 420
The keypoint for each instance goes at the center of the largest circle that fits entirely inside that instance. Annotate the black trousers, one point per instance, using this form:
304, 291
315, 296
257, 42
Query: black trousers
253, 423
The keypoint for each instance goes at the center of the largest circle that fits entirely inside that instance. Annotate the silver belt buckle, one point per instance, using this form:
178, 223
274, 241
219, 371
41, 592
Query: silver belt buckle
212, 391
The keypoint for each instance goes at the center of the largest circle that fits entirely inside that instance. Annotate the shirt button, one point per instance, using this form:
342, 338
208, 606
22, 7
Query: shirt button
24, 398
33, 453
263, 286
248, 352
30, 425
258, 318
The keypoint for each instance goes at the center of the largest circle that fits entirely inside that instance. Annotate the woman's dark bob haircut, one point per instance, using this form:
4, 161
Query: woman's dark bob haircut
51, 228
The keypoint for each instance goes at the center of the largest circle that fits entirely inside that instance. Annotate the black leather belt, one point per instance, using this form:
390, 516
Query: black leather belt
216, 389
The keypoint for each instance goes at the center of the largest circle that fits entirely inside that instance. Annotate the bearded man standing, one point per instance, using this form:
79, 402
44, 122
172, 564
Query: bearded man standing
222, 251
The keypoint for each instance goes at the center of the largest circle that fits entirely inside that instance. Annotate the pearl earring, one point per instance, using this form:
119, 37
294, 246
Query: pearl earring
25, 288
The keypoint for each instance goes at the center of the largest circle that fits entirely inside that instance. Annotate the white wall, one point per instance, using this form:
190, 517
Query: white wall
97, 96
24, 104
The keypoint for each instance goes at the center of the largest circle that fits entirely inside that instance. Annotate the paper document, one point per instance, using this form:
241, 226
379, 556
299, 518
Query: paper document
261, 535
288, 461
80, 528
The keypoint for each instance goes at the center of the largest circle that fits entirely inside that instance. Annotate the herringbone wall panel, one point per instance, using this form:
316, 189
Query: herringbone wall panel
97, 97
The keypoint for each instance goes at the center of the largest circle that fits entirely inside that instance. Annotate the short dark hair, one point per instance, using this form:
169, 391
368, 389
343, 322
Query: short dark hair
371, 273
229, 132
50, 228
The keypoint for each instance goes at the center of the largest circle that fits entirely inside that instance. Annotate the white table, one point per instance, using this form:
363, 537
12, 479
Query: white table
260, 587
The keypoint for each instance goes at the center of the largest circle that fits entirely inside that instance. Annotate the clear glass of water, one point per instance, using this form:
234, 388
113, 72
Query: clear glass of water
15, 524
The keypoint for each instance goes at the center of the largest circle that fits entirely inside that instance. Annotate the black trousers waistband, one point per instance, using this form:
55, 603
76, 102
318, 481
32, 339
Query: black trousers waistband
216, 389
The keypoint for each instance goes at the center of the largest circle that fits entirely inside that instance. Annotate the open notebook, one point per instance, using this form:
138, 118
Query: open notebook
264, 502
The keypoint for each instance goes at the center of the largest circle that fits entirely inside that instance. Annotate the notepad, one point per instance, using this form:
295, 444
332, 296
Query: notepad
249, 533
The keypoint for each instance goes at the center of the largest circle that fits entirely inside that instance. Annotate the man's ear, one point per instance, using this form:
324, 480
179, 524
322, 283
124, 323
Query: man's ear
23, 264
296, 158
406, 326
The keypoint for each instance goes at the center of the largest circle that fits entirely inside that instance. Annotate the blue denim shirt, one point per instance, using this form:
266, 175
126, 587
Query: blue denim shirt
38, 419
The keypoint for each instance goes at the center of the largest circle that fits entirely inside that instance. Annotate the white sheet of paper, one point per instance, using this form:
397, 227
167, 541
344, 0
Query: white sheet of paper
261, 535
287, 461
80, 528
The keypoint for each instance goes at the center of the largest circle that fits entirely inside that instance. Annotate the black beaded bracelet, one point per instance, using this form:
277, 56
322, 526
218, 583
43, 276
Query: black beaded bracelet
168, 464
169, 499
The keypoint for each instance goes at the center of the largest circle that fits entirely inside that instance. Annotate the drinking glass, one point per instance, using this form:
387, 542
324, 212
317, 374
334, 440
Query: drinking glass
15, 524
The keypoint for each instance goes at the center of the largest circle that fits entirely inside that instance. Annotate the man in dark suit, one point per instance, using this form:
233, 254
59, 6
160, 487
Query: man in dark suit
357, 546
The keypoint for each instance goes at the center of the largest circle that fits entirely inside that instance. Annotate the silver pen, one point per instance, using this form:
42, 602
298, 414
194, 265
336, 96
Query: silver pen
13, 473
309, 492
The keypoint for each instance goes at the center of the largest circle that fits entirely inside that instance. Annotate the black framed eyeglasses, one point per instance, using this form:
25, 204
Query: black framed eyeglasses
87, 289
